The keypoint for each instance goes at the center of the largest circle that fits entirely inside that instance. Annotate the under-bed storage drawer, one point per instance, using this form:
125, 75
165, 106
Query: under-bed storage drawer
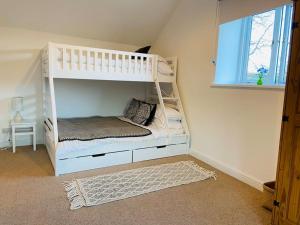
159, 152
93, 162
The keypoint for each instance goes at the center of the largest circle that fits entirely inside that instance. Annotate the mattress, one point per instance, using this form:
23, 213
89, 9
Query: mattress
159, 137
97, 127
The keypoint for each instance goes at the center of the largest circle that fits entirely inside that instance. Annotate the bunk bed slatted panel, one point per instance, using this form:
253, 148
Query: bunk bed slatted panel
102, 64
88, 62
142, 65
135, 64
95, 60
80, 59
109, 62
72, 66
123, 64
64, 58
147, 63
116, 68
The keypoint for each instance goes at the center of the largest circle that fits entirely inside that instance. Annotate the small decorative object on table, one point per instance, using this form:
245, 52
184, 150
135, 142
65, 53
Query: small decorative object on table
262, 72
25, 127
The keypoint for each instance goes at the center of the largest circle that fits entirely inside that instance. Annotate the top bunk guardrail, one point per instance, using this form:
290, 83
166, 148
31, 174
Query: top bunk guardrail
76, 62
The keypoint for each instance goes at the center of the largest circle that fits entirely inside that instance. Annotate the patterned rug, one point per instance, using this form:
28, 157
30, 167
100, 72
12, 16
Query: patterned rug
116, 186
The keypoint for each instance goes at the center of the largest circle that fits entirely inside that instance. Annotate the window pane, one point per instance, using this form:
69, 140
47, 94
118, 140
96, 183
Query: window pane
261, 41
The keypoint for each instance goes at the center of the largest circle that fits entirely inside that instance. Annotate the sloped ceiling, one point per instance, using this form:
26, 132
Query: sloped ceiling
136, 22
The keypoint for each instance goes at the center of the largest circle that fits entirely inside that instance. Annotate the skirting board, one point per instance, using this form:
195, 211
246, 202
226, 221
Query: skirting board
245, 178
7, 144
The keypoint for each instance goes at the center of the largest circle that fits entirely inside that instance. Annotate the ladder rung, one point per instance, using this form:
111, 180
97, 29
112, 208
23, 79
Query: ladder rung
170, 98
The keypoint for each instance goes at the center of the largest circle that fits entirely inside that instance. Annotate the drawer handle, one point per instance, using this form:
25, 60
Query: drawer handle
164, 146
98, 155
298, 177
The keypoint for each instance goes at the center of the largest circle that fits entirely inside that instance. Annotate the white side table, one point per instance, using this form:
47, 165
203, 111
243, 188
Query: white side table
26, 127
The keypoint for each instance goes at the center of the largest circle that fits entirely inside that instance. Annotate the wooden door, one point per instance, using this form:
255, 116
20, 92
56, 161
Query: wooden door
287, 195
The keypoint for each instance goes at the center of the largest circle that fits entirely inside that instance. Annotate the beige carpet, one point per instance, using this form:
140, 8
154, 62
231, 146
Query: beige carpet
30, 194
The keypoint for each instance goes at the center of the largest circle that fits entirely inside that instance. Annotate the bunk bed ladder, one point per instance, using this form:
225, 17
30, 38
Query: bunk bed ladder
161, 101
180, 109
176, 101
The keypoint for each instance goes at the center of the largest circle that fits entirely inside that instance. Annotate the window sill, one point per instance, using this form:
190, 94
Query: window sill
249, 86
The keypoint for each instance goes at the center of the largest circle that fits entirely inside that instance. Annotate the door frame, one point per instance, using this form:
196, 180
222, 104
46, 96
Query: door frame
290, 120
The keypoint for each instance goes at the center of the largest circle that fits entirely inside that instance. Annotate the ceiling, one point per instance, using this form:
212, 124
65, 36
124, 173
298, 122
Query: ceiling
135, 22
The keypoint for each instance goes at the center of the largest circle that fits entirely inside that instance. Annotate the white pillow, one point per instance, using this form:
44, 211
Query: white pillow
175, 124
172, 114
161, 59
163, 67
159, 117
157, 122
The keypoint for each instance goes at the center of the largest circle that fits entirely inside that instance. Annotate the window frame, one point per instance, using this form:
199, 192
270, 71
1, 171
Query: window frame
286, 43
271, 78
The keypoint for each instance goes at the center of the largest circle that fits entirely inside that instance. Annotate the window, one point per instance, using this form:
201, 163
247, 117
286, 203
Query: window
253, 42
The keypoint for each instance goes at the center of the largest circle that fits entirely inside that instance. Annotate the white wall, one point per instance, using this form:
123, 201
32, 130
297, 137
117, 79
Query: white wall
20, 75
81, 98
236, 130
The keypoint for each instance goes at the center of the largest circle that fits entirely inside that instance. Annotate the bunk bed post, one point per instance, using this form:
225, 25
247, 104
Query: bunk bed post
52, 94
44, 55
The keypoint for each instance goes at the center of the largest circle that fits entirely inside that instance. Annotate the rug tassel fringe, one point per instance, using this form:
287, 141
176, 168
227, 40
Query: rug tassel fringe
69, 186
210, 174
76, 203
73, 195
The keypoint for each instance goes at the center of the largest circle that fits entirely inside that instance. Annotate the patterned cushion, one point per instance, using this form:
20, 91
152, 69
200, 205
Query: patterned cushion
132, 109
142, 114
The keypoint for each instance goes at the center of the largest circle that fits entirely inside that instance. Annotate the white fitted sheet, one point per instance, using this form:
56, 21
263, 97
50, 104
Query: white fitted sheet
159, 136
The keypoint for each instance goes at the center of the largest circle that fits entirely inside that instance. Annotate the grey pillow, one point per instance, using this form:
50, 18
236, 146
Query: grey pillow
143, 113
132, 109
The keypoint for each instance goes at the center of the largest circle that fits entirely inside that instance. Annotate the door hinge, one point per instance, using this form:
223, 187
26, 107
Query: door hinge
276, 203
285, 118
295, 25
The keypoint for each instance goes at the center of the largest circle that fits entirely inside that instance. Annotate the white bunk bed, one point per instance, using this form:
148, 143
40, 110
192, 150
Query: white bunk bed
60, 61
